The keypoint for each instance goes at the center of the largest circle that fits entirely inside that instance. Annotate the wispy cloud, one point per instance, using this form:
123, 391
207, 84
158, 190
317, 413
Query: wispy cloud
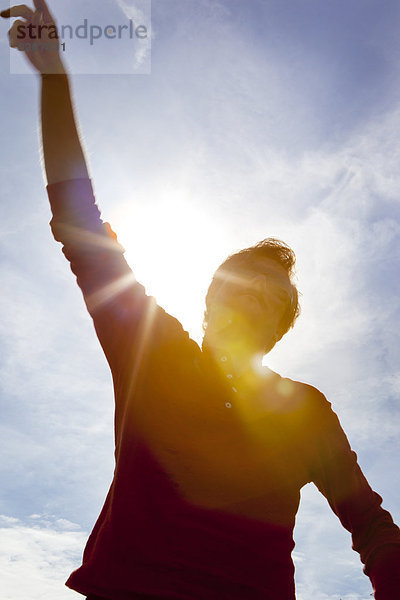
37, 555
139, 11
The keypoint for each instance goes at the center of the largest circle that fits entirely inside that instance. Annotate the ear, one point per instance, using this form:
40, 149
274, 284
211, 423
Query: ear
273, 340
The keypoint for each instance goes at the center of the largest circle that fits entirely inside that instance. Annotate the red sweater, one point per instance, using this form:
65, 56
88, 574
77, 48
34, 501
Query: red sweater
203, 500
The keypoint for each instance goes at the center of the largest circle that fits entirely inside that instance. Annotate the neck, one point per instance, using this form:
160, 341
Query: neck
234, 359
244, 373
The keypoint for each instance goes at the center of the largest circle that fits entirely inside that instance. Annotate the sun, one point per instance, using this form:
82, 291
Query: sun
173, 247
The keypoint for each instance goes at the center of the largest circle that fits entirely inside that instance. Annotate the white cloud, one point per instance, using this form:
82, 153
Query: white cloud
326, 567
139, 11
37, 556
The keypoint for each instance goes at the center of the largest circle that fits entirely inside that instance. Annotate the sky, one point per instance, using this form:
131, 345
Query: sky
233, 122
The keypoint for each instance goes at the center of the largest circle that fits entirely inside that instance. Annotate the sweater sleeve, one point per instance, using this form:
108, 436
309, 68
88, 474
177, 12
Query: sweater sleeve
338, 476
125, 318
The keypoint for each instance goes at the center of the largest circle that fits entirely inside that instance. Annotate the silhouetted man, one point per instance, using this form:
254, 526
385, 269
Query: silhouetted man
211, 448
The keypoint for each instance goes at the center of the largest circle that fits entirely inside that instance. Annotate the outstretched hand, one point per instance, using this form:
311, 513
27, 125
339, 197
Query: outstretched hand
36, 36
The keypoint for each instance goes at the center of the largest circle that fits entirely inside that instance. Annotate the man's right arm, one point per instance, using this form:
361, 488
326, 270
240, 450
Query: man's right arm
95, 256
125, 318
62, 149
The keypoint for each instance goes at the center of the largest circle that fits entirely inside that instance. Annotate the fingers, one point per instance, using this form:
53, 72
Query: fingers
18, 11
41, 6
42, 12
15, 33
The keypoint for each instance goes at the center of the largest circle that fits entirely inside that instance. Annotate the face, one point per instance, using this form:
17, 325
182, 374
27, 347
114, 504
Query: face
249, 304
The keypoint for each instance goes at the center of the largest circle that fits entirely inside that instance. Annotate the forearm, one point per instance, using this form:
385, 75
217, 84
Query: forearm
62, 150
374, 534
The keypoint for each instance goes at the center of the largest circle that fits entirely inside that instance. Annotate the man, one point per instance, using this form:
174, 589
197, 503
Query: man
211, 448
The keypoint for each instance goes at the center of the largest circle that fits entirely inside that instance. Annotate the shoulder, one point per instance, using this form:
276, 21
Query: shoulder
291, 395
171, 349
300, 406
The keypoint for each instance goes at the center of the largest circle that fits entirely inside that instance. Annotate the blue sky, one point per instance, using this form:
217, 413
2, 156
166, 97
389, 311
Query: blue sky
258, 118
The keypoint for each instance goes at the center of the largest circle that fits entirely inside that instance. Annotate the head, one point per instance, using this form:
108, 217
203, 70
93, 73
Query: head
252, 299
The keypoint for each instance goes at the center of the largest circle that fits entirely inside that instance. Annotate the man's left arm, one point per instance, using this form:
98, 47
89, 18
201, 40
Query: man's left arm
338, 476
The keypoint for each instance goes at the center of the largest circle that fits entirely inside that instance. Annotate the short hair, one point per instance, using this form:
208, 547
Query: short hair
269, 248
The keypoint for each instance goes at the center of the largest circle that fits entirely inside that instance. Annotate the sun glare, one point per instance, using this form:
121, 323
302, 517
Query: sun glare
173, 248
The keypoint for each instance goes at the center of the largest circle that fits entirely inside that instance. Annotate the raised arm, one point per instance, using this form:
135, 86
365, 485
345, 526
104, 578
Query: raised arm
62, 150
127, 321
95, 256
